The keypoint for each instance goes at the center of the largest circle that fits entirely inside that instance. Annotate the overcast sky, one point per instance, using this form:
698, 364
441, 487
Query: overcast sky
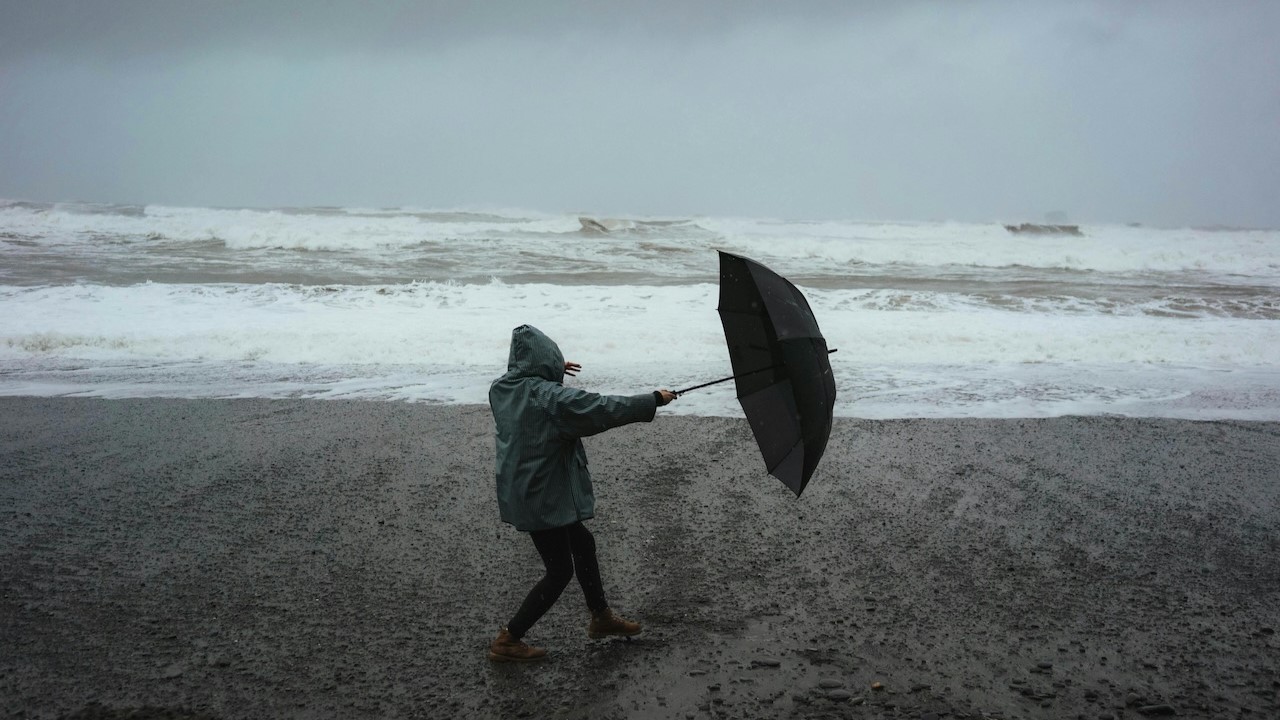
1158, 112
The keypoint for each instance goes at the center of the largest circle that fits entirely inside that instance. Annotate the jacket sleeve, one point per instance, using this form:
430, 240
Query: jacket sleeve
578, 413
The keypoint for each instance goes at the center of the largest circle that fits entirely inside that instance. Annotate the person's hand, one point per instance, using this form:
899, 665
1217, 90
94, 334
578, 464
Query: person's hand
571, 368
666, 396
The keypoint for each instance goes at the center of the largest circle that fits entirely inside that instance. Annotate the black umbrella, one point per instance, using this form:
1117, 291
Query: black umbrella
780, 367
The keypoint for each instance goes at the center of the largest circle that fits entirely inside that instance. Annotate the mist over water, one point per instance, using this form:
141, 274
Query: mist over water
932, 319
1154, 112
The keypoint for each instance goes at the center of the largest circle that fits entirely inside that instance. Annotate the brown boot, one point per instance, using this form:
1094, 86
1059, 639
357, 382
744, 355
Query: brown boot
605, 623
505, 648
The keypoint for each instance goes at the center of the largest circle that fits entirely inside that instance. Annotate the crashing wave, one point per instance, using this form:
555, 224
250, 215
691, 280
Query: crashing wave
605, 225
1034, 229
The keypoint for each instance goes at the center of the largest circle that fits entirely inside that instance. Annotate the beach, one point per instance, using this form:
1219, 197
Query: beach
330, 558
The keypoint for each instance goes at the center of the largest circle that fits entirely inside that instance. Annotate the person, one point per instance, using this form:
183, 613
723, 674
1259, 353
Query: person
543, 484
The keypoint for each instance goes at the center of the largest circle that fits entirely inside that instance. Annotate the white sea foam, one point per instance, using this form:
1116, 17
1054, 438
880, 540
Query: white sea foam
454, 324
1103, 248
444, 341
251, 229
829, 248
932, 319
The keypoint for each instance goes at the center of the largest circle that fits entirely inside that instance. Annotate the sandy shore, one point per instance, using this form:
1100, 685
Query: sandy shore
251, 559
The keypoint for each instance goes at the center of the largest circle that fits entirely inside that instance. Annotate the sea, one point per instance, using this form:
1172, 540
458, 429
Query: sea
930, 319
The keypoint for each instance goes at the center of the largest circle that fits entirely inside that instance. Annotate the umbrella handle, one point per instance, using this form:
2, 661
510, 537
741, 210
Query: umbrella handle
734, 377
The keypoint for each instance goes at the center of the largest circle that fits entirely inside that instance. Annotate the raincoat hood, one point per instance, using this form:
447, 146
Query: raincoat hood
533, 354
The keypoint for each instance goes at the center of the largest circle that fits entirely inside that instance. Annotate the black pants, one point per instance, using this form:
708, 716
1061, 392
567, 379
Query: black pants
563, 550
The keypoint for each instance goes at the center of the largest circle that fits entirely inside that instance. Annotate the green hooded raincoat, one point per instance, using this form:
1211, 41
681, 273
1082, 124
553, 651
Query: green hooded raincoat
542, 475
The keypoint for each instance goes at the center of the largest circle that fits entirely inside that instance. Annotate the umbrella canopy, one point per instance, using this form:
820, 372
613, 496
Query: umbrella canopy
780, 367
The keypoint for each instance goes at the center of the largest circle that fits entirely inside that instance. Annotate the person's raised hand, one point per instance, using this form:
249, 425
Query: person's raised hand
666, 396
571, 368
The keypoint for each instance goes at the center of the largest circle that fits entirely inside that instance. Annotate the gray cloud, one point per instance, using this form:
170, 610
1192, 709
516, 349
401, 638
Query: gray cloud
1153, 112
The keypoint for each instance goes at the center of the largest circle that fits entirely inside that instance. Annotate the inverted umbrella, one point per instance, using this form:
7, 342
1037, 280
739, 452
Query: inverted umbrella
780, 367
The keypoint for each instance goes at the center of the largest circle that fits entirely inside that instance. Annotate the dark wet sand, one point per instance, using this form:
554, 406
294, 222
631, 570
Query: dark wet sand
291, 559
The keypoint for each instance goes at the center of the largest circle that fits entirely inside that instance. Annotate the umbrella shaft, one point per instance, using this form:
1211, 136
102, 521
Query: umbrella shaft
734, 377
